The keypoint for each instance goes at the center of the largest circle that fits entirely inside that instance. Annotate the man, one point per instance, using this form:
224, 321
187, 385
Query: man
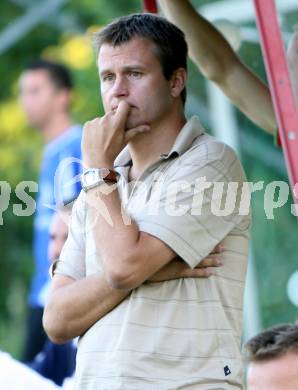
273, 359
135, 334
45, 92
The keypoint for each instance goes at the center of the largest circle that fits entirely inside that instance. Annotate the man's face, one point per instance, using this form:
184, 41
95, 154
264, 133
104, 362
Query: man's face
39, 96
276, 374
132, 72
58, 235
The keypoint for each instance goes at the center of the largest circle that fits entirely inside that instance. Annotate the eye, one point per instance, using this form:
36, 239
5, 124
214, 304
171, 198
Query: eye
108, 77
135, 74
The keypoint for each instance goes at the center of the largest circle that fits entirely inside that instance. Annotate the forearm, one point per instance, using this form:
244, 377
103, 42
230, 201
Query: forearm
128, 259
218, 62
73, 308
208, 48
114, 232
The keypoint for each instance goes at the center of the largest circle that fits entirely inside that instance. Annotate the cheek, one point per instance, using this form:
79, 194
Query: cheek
29, 100
39, 103
160, 99
105, 99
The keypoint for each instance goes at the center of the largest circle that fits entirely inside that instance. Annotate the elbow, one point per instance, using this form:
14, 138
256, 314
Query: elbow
120, 281
121, 276
54, 328
216, 68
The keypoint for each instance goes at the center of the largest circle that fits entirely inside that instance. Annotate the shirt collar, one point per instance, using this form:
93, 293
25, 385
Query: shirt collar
189, 132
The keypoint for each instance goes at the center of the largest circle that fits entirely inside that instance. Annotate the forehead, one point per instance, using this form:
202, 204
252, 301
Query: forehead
276, 374
140, 51
36, 76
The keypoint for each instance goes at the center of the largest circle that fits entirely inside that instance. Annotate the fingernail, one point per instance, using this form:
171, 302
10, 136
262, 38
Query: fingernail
219, 261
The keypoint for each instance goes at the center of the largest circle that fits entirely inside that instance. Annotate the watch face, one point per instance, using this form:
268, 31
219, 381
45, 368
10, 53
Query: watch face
91, 177
104, 172
95, 176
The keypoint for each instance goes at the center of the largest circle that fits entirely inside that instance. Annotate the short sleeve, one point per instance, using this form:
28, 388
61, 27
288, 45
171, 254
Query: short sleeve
190, 217
72, 259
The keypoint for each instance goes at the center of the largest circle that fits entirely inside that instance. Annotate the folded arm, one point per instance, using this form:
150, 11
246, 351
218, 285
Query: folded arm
75, 305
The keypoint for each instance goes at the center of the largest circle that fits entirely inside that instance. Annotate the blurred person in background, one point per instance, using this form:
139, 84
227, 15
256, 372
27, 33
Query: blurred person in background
218, 62
45, 95
273, 359
55, 364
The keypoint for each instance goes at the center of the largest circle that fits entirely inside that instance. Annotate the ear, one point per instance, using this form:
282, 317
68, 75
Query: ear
178, 82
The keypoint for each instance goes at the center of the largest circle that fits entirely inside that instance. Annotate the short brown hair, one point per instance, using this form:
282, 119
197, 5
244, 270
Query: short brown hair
272, 343
59, 74
171, 46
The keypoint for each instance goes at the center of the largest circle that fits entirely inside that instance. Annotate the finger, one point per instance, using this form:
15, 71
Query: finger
210, 261
218, 249
121, 113
198, 273
204, 272
130, 134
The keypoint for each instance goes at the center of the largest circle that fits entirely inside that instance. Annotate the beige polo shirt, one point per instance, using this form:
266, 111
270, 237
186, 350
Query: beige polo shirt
184, 333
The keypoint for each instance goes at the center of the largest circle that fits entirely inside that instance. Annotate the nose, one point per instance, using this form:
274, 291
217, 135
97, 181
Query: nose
120, 87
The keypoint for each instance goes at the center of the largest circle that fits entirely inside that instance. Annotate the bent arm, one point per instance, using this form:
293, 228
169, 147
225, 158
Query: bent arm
76, 302
135, 256
74, 306
218, 62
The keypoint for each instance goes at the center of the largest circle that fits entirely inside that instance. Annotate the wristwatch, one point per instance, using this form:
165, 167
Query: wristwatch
93, 177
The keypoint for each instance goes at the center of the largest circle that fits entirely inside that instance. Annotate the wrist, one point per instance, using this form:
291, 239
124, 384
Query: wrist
98, 165
95, 177
99, 161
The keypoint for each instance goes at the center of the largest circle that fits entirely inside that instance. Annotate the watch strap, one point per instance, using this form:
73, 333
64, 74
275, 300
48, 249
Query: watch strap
112, 176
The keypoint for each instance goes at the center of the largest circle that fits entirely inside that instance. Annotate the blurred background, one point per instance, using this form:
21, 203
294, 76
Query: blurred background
61, 30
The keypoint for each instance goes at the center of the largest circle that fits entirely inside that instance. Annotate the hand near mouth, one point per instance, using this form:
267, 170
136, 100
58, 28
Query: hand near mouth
105, 137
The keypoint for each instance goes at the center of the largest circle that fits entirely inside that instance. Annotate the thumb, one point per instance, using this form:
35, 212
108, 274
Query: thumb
130, 134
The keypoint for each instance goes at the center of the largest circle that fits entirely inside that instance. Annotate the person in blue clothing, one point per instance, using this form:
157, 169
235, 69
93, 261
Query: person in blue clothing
56, 362
45, 94
53, 367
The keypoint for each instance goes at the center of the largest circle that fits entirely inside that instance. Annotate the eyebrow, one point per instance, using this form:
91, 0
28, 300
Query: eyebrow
125, 69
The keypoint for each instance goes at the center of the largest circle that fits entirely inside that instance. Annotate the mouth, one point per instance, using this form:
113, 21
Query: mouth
114, 108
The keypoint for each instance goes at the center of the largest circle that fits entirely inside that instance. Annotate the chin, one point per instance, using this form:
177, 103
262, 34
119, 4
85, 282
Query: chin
132, 124
32, 120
